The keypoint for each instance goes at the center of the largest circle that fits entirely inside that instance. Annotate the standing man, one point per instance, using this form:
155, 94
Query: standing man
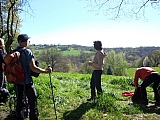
27, 87
148, 76
3, 84
97, 64
2, 54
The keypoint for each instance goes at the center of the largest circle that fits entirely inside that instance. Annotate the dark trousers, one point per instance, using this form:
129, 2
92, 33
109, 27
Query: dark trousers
2, 80
95, 83
155, 79
30, 93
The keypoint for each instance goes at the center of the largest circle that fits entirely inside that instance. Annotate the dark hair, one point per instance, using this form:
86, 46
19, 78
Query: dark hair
97, 45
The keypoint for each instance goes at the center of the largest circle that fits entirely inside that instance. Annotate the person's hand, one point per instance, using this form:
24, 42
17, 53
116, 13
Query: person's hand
105, 54
49, 70
90, 63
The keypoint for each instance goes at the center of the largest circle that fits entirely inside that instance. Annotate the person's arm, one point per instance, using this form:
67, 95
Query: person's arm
136, 77
38, 69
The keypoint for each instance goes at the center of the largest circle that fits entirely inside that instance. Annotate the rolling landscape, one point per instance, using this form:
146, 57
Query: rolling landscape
72, 90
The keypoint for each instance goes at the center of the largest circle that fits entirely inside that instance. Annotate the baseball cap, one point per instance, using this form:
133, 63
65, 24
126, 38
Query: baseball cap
23, 37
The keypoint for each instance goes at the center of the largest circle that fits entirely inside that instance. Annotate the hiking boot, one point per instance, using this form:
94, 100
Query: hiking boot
144, 102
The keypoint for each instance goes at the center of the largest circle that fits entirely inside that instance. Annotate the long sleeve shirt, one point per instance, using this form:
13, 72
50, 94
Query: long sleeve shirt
98, 60
142, 73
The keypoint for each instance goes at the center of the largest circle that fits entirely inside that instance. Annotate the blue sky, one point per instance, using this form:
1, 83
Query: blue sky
68, 22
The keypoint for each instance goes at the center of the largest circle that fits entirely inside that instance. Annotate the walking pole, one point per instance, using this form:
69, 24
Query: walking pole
52, 93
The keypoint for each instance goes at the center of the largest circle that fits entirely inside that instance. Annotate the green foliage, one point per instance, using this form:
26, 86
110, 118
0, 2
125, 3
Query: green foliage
72, 90
116, 62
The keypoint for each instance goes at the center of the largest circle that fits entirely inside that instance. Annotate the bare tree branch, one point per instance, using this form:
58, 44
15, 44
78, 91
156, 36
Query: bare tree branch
122, 8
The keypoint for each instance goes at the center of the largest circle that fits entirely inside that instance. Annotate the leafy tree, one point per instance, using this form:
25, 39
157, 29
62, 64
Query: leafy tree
10, 20
120, 64
109, 60
83, 56
155, 58
116, 62
50, 56
85, 68
65, 65
139, 62
115, 9
72, 67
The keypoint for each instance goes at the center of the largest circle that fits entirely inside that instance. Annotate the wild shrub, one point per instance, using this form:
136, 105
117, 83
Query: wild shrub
123, 82
107, 102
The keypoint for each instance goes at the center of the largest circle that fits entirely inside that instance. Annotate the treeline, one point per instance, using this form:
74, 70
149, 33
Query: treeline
116, 62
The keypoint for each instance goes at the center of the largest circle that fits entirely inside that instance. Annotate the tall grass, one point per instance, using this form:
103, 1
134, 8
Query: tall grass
71, 91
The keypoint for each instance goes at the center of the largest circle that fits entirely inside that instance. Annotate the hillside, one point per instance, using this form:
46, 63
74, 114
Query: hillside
139, 51
73, 89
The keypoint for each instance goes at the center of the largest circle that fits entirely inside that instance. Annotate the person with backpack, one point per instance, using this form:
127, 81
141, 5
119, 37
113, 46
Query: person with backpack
148, 76
97, 64
26, 88
3, 85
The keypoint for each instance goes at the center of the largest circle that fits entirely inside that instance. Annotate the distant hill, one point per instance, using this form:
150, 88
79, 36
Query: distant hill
139, 51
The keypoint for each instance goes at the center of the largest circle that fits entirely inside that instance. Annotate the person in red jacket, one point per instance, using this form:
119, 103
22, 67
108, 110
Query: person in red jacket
148, 76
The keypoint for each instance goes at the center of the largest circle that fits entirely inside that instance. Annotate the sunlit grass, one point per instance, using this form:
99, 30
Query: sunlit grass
71, 91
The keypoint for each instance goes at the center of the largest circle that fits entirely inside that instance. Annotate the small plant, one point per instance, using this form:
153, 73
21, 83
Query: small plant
71, 92
107, 102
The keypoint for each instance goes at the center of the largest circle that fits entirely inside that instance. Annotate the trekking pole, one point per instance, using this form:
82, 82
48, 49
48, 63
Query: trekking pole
52, 93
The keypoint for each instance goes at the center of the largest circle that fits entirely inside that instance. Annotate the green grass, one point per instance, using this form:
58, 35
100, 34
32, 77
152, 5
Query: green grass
72, 90
74, 52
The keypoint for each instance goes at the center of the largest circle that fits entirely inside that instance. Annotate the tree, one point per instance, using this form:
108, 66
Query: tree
139, 62
110, 61
65, 65
50, 56
9, 20
115, 9
120, 64
85, 68
155, 58
116, 62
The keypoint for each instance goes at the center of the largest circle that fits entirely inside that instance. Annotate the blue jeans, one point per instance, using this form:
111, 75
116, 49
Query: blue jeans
30, 93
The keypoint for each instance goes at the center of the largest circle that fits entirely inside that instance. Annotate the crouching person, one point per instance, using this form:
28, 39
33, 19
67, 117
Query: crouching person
148, 76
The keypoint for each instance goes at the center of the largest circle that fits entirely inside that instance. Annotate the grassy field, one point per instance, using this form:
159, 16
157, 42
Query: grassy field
72, 90
74, 52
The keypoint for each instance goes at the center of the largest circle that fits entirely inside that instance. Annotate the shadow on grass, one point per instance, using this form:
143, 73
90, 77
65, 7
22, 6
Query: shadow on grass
78, 113
10, 117
150, 108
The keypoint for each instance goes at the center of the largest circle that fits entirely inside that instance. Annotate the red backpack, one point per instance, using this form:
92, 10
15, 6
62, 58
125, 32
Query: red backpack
13, 69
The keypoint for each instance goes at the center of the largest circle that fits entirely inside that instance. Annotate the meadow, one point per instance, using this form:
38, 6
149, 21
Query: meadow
72, 90
74, 52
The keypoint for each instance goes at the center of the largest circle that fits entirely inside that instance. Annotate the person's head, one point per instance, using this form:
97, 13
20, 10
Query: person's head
97, 45
23, 40
2, 43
